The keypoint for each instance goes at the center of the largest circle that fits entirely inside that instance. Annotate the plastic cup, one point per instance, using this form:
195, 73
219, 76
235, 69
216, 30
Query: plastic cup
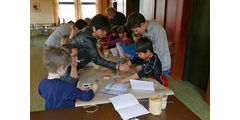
164, 101
106, 53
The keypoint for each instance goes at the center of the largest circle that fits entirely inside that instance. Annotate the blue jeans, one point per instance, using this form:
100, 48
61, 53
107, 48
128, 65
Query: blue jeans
165, 73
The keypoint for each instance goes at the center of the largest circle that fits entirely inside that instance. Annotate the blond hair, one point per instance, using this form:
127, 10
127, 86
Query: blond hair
110, 10
64, 40
54, 57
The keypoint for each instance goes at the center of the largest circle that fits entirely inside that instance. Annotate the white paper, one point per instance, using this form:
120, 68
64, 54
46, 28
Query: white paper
114, 51
128, 106
91, 64
120, 50
142, 85
132, 111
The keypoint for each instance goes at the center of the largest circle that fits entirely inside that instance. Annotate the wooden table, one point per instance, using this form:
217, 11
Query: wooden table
175, 110
89, 75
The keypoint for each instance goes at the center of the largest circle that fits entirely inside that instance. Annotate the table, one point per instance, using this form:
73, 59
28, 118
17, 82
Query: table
89, 75
175, 110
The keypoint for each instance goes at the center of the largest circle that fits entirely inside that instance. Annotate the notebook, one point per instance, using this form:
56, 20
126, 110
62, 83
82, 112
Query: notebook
128, 106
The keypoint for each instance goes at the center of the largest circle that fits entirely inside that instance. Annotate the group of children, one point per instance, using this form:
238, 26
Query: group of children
62, 62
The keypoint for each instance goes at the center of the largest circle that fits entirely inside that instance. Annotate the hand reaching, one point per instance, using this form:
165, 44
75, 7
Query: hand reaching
124, 67
94, 87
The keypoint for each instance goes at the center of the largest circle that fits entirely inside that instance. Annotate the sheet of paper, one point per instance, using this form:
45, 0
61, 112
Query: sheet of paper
91, 64
123, 101
120, 50
132, 111
142, 85
115, 88
128, 106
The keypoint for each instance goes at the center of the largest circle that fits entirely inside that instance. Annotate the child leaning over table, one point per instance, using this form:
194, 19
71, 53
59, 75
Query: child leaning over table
152, 66
57, 92
71, 75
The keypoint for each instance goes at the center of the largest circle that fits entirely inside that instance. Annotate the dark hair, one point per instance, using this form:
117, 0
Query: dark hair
114, 29
100, 22
143, 44
122, 29
69, 47
70, 22
80, 24
54, 57
134, 20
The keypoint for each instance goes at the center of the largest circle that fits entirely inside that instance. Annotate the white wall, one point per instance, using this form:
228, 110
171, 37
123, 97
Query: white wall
45, 15
147, 9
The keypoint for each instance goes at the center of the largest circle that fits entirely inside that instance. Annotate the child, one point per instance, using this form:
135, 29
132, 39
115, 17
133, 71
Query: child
152, 66
123, 39
156, 33
129, 51
56, 92
113, 35
71, 75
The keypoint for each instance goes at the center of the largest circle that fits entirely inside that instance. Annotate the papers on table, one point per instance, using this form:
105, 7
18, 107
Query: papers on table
120, 50
115, 88
128, 106
91, 64
142, 85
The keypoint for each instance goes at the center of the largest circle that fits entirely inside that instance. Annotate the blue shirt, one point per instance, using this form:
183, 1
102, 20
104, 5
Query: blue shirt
61, 94
129, 49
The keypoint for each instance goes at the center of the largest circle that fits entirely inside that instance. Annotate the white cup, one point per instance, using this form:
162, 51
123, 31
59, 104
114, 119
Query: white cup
164, 101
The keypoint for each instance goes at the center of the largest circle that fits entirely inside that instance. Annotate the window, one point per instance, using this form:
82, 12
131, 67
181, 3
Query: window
67, 11
88, 8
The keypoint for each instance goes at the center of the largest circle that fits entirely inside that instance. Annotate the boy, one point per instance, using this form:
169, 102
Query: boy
152, 66
156, 33
56, 92
86, 42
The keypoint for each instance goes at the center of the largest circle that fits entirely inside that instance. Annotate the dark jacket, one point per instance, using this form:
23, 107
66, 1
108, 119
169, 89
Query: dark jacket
152, 67
87, 50
119, 19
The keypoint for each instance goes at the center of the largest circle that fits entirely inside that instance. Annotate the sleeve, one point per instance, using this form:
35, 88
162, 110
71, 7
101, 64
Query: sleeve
70, 79
128, 47
95, 57
111, 43
147, 69
76, 93
137, 60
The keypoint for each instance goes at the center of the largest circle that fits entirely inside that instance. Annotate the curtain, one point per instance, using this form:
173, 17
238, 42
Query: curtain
55, 11
78, 9
101, 5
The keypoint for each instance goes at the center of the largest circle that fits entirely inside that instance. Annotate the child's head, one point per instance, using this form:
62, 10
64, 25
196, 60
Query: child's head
135, 22
135, 37
72, 49
122, 31
114, 30
56, 60
100, 26
80, 24
144, 48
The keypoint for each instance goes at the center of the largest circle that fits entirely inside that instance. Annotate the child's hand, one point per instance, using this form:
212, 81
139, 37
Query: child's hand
126, 55
124, 67
83, 89
74, 62
117, 43
94, 87
120, 80
101, 43
138, 68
